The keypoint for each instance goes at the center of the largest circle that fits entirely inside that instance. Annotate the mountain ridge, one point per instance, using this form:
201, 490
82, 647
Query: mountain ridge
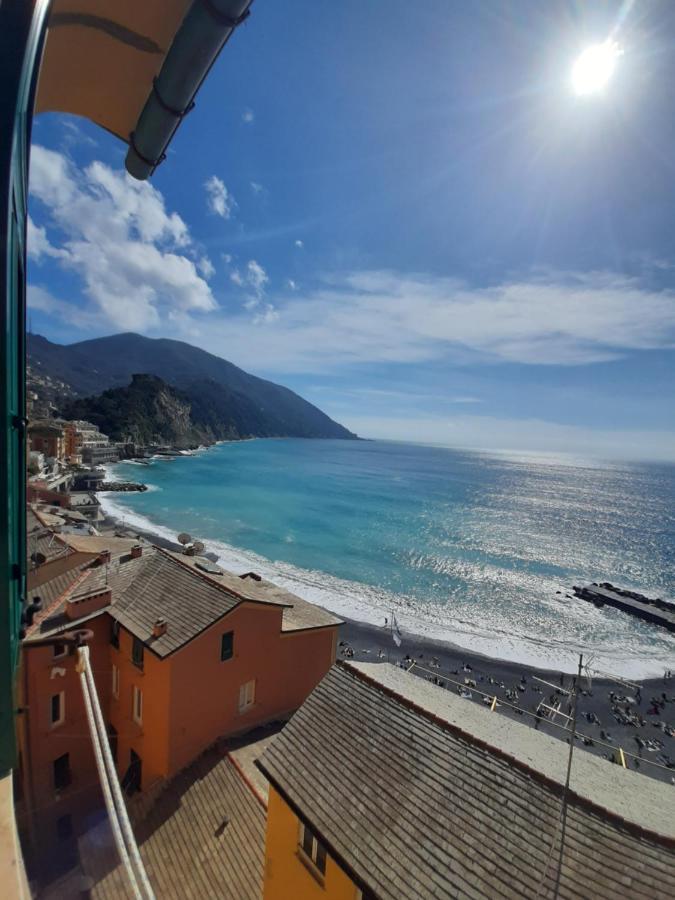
223, 398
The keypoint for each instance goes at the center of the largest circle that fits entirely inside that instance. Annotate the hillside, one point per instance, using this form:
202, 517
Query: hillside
148, 411
224, 399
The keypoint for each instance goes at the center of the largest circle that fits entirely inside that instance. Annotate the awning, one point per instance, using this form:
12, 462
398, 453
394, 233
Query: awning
133, 66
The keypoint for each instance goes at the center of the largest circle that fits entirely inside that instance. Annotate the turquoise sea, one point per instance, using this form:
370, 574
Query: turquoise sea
464, 546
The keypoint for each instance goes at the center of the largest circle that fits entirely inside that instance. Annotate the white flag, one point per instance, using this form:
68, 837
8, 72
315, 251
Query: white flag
395, 631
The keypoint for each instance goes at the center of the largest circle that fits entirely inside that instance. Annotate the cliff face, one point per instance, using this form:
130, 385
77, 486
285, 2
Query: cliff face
148, 411
225, 401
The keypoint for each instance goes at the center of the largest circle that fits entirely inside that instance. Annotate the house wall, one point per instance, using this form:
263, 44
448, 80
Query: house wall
41, 743
286, 875
150, 740
285, 669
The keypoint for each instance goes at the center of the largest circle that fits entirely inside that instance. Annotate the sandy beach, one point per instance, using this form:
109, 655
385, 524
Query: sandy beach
636, 717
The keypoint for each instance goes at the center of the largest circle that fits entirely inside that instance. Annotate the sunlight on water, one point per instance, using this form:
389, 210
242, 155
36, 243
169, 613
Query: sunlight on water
467, 547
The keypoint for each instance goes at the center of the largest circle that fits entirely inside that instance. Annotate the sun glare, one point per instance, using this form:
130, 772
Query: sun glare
594, 68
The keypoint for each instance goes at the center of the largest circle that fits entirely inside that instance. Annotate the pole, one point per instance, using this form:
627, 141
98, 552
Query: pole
563, 812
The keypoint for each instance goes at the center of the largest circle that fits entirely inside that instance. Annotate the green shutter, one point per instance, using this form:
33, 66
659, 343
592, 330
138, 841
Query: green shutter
22, 29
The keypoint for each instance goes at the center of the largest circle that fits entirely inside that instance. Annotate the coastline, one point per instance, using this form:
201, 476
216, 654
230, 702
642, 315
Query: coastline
452, 665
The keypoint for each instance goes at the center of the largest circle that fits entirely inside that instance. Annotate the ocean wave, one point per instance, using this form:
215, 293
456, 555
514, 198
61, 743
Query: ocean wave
492, 636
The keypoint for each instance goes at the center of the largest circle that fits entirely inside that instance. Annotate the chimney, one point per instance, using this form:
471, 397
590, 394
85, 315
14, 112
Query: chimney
136, 551
104, 557
76, 607
159, 628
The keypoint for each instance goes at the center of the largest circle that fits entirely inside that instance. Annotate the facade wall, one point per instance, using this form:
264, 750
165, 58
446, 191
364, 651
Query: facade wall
286, 875
41, 743
190, 699
149, 740
285, 670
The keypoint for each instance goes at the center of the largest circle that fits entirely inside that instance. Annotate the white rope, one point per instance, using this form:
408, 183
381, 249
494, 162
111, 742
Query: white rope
114, 781
100, 765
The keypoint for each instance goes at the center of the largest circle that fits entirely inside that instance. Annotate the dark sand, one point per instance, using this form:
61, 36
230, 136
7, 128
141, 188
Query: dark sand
621, 720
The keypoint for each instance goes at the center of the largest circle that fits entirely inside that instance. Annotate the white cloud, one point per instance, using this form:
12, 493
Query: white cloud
41, 299
292, 285
218, 199
265, 316
256, 276
256, 187
376, 317
115, 233
206, 267
247, 116
226, 258
73, 133
254, 279
39, 244
299, 244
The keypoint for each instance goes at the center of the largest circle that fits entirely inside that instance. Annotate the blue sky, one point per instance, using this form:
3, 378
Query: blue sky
405, 214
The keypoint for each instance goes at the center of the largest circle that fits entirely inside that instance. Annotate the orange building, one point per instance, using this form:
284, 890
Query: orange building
47, 438
183, 654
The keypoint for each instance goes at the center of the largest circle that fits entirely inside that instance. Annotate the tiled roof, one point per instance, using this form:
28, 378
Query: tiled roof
204, 837
408, 789
160, 584
48, 544
163, 588
298, 614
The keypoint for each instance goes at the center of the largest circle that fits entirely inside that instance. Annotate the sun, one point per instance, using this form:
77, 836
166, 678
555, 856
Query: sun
594, 68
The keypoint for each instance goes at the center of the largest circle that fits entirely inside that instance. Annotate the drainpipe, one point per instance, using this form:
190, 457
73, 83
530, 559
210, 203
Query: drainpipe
204, 32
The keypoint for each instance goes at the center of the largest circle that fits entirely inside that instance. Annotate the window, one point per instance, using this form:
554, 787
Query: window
115, 633
61, 769
58, 708
246, 695
227, 646
59, 649
137, 705
112, 740
132, 778
115, 681
64, 828
137, 653
312, 849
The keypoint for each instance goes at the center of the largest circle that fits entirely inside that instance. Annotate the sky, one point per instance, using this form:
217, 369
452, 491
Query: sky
404, 213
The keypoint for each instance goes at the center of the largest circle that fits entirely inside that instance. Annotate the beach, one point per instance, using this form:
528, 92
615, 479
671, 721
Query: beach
637, 717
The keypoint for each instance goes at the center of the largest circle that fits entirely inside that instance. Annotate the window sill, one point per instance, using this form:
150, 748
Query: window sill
247, 709
310, 865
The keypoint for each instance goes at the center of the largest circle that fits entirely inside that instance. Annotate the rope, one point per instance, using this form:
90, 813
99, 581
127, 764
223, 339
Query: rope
114, 781
100, 765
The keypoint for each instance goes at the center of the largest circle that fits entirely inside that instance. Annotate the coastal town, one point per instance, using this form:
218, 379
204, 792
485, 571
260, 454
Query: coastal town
245, 725
256, 759
430, 230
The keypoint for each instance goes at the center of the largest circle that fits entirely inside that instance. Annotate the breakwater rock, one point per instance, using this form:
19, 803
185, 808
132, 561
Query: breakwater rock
122, 486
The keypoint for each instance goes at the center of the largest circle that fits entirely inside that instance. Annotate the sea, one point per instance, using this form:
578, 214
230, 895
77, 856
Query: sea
477, 549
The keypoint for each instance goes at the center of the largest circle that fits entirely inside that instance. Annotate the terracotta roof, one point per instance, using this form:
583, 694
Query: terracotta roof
203, 837
417, 796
